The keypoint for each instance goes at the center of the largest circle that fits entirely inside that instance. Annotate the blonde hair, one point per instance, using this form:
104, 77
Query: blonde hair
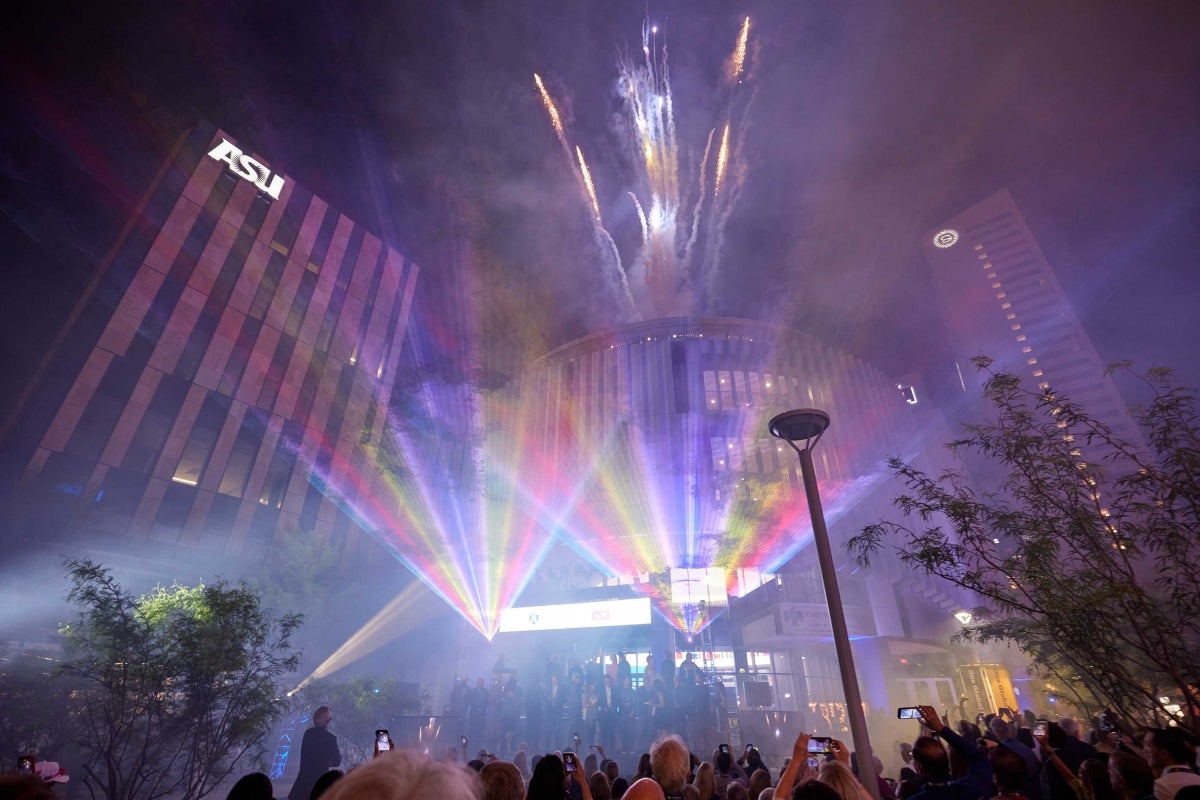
839, 777
705, 781
406, 775
670, 760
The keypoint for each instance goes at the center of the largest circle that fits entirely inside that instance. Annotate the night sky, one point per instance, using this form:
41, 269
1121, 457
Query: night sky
870, 123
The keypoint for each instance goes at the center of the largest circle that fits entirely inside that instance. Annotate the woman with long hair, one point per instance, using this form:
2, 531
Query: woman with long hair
759, 779
705, 781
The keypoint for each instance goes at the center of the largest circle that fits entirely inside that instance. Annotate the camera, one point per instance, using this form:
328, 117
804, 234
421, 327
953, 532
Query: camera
383, 740
819, 744
908, 712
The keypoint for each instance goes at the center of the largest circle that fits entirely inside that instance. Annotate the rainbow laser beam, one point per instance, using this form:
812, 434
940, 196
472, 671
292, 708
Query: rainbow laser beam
650, 482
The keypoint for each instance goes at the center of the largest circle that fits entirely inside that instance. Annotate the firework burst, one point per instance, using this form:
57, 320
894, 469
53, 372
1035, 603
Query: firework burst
675, 268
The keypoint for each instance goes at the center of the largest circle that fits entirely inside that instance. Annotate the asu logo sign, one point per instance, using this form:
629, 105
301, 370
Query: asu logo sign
246, 167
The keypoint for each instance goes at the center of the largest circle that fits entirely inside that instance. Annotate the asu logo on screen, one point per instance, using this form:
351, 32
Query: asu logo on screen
246, 167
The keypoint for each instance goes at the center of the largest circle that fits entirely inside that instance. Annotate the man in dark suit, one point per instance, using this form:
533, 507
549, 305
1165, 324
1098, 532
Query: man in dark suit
606, 706
319, 753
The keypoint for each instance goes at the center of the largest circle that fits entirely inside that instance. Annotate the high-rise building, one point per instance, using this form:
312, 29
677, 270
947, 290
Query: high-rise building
663, 474
237, 348
1000, 298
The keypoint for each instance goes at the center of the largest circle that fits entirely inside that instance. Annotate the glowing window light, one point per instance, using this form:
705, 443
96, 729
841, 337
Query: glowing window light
978, 247
945, 238
1037, 373
1015, 326
1021, 338
1026, 349
1006, 305
1031, 361
1001, 295
996, 284
1010, 316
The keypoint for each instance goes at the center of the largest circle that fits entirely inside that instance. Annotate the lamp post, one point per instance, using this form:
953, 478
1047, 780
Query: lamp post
802, 429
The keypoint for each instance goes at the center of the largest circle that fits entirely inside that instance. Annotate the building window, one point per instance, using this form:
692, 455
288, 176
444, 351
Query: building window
242, 456
200, 442
156, 425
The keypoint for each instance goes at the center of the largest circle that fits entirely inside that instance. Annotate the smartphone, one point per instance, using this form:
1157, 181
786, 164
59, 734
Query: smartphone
749, 747
383, 740
569, 762
814, 762
1041, 727
25, 765
463, 741
908, 712
819, 744
575, 736
725, 749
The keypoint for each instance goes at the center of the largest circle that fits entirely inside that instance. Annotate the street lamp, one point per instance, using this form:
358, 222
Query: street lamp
802, 429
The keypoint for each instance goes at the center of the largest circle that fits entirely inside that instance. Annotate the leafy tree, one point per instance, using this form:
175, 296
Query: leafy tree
1086, 554
175, 687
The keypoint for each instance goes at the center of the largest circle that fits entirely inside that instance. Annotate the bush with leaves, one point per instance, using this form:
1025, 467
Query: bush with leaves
1086, 554
174, 687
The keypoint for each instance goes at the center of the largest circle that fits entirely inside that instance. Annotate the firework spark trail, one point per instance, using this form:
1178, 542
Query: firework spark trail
722, 160
587, 184
722, 211
701, 194
618, 280
739, 51
552, 110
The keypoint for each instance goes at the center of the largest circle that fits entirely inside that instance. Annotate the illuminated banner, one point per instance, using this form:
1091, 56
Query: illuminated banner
986, 688
599, 614
246, 167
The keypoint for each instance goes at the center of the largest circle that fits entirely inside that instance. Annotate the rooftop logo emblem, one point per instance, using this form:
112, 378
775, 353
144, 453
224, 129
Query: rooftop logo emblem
946, 238
246, 167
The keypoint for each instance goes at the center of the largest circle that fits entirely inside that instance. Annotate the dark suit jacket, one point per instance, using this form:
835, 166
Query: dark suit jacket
319, 753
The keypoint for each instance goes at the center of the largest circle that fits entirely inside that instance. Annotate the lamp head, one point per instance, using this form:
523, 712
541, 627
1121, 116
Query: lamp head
799, 425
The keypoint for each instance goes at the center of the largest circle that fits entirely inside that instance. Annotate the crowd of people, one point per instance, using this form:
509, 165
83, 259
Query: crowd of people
1000, 757
590, 701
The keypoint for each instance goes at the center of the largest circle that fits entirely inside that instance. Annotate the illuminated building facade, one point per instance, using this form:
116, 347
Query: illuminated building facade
1000, 298
242, 335
658, 436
